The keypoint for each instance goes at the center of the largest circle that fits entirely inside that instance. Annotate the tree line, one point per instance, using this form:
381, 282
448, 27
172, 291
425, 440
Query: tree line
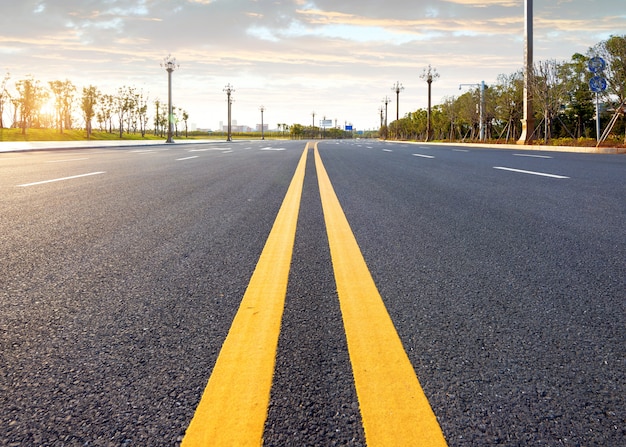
563, 103
123, 111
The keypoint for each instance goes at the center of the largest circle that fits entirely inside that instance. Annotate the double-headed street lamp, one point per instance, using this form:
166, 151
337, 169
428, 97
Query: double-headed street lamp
169, 63
386, 101
397, 88
262, 109
229, 91
429, 75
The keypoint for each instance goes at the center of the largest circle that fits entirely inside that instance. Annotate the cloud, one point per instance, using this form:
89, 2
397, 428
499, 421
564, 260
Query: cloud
487, 3
296, 54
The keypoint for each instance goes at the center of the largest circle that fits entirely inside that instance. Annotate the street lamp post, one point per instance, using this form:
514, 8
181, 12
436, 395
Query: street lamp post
397, 88
528, 120
430, 74
169, 63
262, 109
386, 101
229, 91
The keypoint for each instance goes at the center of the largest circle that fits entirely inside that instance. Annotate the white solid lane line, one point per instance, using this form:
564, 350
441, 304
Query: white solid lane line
542, 174
66, 160
423, 156
186, 158
62, 178
532, 156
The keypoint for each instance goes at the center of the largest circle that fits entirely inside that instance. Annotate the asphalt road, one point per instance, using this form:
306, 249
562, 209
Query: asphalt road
503, 271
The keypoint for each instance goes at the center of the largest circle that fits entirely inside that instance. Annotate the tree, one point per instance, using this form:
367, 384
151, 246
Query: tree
157, 117
579, 108
123, 104
450, 109
468, 114
4, 95
142, 113
509, 99
63, 92
88, 106
176, 112
185, 119
105, 109
31, 97
439, 123
550, 90
297, 131
160, 119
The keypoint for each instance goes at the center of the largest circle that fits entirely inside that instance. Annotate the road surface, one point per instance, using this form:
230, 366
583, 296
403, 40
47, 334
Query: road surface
502, 272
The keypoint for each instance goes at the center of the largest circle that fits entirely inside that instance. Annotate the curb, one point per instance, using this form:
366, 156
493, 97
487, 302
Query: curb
525, 147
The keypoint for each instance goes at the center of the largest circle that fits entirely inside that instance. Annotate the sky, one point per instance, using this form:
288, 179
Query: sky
337, 58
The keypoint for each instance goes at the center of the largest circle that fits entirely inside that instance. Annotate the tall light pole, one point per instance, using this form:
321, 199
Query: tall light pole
169, 63
528, 121
229, 91
386, 101
397, 88
262, 109
381, 109
429, 75
313, 126
481, 107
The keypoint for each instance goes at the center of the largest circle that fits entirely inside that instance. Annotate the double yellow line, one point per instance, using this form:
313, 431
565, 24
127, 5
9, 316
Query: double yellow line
233, 408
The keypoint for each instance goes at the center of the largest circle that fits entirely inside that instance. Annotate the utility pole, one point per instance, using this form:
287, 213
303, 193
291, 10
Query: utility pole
429, 75
169, 63
229, 91
528, 121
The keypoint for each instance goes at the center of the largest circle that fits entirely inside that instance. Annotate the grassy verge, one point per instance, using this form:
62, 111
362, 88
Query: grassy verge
67, 135
81, 135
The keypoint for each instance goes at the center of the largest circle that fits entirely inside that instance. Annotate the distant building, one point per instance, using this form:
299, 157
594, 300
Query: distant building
234, 127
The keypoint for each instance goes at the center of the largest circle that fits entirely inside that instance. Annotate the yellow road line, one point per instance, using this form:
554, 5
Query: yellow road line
234, 405
394, 409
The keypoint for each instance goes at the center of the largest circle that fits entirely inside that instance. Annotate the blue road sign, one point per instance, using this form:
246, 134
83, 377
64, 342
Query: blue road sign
596, 64
597, 84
